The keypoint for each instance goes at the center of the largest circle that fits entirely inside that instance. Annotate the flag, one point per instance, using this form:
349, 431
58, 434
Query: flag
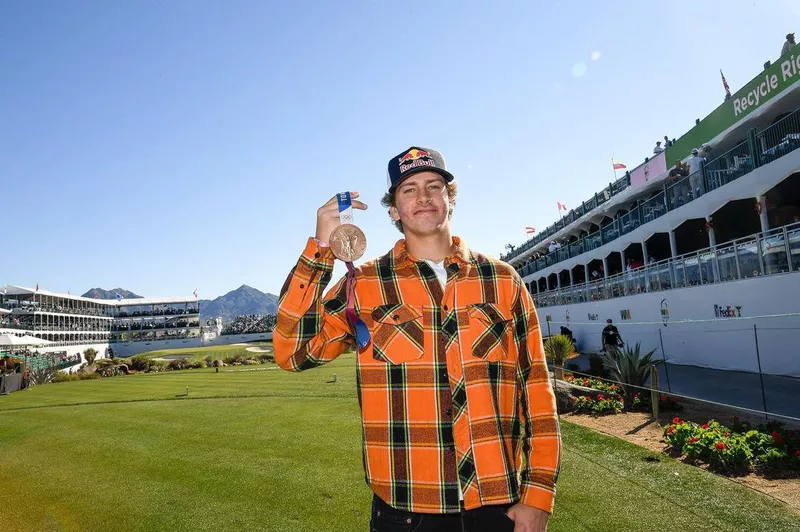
509, 246
561, 206
530, 230
37, 287
725, 84
119, 297
618, 165
195, 293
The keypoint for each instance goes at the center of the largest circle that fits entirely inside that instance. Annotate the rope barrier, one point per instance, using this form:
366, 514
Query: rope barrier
689, 397
674, 322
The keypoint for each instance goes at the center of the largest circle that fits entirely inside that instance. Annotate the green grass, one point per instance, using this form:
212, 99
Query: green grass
215, 351
270, 450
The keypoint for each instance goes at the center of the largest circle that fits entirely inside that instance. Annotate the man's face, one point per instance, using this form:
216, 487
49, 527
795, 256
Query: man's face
422, 204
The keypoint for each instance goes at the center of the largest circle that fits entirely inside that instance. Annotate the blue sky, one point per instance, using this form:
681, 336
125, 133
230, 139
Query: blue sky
173, 145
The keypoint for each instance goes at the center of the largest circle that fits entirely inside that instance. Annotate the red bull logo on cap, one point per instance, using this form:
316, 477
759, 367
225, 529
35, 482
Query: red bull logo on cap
414, 158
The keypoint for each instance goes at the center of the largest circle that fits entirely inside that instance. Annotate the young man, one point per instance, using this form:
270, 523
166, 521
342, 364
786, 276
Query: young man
458, 414
611, 337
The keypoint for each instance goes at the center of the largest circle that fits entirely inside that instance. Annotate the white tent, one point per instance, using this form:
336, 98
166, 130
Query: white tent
8, 339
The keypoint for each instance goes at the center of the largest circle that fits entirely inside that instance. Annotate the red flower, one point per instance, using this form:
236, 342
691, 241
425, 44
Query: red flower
705, 425
727, 433
777, 437
720, 445
676, 420
670, 430
635, 395
574, 399
663, 397
694, 439
797, 452
600, 397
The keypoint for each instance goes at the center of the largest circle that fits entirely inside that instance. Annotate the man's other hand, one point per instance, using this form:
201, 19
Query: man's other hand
528, 519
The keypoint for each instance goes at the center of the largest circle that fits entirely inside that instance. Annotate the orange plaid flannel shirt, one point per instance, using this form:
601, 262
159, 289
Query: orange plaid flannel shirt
453, 387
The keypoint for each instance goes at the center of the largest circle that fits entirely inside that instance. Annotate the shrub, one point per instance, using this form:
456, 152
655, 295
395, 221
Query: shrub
234, 359
596, 367
198, 364
601, 406
90, 355
77, 376
178, 364
140, 363
559, 348
630, 368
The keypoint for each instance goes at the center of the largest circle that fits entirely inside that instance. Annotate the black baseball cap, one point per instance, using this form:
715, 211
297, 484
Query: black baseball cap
415, 160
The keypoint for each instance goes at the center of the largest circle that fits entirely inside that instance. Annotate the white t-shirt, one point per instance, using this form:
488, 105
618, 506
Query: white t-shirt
439, 270
695, 162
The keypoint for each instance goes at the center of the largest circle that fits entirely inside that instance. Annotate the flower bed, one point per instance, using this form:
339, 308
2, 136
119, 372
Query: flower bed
769, 449
640, 400
611, 404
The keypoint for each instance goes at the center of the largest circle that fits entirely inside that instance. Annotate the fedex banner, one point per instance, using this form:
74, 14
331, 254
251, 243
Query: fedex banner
650, 170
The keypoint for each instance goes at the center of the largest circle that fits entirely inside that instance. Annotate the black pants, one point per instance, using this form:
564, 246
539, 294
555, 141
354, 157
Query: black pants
487, 518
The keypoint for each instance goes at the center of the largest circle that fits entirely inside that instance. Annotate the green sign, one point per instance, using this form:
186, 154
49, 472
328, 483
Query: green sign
761, 89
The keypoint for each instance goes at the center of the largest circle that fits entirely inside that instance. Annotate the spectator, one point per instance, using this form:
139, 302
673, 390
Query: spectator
695, 163
553, 246
658, 149
788, 45
667, 142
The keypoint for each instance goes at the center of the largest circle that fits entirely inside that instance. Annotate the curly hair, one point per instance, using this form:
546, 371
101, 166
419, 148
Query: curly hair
388, 201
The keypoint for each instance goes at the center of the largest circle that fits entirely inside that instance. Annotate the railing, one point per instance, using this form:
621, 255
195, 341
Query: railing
779, 139
729, 166
772, 252
598, 199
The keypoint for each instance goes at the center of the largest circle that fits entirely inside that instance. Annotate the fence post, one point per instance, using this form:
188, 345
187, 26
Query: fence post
760, 374
664, 357
751, 144
654, 391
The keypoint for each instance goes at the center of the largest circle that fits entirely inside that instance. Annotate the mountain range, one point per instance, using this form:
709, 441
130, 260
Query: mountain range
243, 300
99, 293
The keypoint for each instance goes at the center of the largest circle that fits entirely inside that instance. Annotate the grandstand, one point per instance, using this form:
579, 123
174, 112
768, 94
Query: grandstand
76, 323
250, 323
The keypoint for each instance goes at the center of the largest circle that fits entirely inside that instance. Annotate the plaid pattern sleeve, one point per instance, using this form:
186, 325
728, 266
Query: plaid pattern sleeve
311, 330
541, 444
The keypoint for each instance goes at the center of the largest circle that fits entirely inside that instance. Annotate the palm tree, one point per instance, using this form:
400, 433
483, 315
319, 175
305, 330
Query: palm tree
559, 348
629, 368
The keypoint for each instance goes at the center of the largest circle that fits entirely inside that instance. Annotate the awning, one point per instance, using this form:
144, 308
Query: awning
9, 339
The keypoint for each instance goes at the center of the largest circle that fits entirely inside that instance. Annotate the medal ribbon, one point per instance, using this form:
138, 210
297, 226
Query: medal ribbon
359, 327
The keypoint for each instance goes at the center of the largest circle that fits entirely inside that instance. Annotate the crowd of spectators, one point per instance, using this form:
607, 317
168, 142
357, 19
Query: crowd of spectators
158, 312
153, 325
251, 323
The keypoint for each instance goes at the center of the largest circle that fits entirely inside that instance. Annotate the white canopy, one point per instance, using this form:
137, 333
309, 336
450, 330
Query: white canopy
9, 339
4, 311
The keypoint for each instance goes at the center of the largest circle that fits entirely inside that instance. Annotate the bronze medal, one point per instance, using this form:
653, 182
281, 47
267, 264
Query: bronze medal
348, 242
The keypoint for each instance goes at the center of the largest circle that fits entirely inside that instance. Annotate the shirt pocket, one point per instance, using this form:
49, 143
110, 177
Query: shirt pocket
398, 335
489, 332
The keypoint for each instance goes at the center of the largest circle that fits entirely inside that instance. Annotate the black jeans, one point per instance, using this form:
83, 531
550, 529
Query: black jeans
487, 518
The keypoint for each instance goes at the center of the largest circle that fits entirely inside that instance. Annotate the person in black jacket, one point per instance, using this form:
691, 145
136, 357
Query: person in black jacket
611, 337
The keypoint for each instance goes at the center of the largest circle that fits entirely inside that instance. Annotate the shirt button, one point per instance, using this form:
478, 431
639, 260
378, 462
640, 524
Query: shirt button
302, 285
445, 307
449, 412
316, 255
396, 317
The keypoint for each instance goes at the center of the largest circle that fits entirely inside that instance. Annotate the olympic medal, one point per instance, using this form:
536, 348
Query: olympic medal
348, 242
